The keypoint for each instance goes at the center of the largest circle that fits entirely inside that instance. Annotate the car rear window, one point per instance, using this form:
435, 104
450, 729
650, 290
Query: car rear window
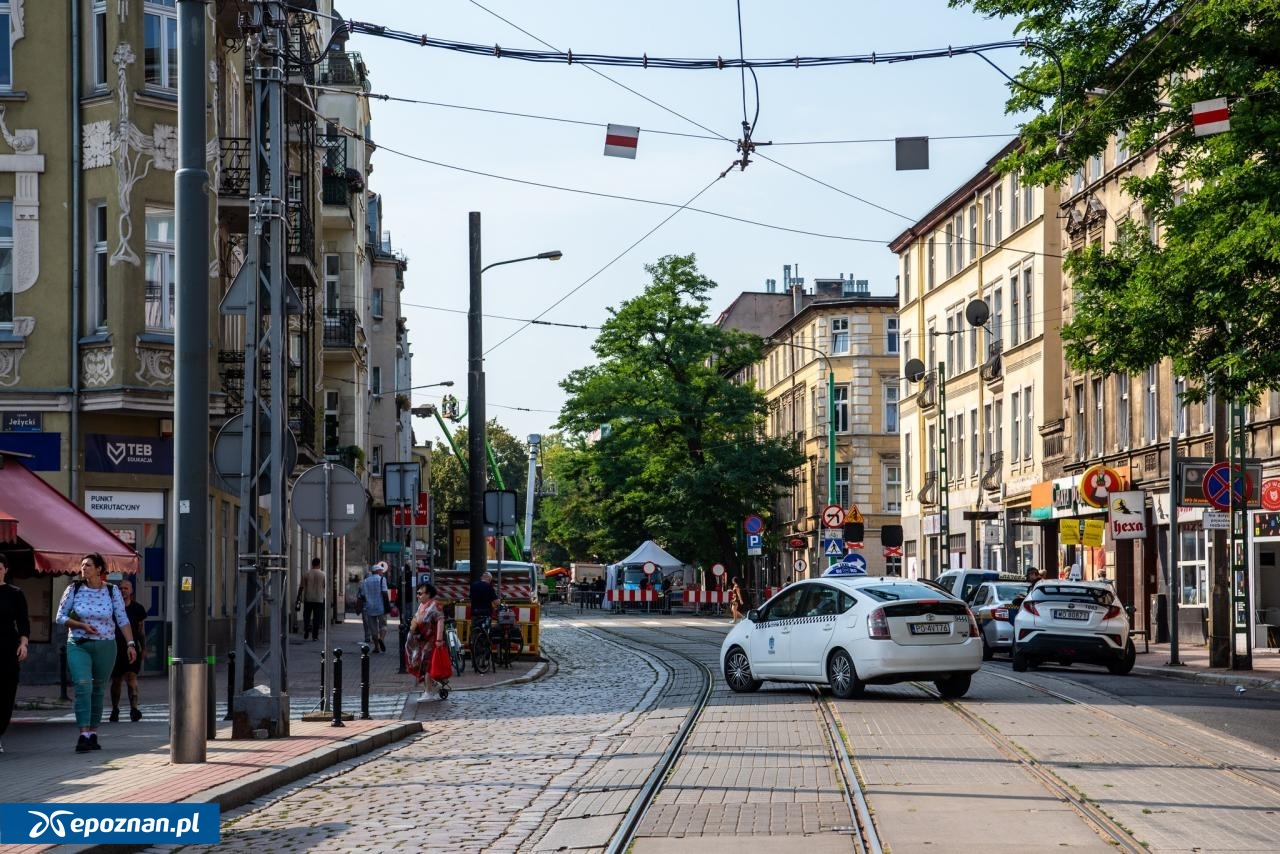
901, 590
1006, 592
1074, 593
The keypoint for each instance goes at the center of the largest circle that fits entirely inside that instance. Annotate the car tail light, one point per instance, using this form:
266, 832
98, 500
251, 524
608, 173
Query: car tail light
877, 625
1030, 608
973, 626
1112, 612
1001, 614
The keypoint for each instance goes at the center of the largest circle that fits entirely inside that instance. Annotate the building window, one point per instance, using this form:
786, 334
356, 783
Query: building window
891, 407
1015, 433
999, 422
375, 380
1123, 415
1150, 402
1028, 317
1077, 181
891, 335
998, 214
1099, 433
1014, 201
332, 281
842, 486
951, 243
839, 335
997, 313
1077, 417
906, 276
958, 221
975, 445
841, 408
957, 442
1122, 146
375, 302
161, 297
375, 460
1028, 204
332, 424
1015, 310
1028, 421
891, 478
98, 265
98, 57
988, 222
6, 262
160, 54
973, 232
930, 269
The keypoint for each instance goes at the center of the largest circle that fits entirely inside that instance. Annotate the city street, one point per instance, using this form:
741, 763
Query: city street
588, 751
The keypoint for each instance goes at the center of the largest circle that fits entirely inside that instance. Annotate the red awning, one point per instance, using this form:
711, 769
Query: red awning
58, 532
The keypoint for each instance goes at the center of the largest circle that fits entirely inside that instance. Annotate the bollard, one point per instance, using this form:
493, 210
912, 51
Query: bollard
322, 675
63, 679
231, 684
364, 682
337, 687
404, 638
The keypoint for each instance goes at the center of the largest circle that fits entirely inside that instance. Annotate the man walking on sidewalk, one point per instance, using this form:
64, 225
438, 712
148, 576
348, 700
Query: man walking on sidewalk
377, 601
311, 593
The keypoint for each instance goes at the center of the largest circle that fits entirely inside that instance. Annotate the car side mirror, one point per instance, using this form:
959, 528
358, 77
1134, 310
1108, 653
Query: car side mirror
753, 615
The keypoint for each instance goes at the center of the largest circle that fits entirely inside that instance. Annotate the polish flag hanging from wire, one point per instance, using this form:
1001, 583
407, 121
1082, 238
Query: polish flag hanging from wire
1210, 117
621, 141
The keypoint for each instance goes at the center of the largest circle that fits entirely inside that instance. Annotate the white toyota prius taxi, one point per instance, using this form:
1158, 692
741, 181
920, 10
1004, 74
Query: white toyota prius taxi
850, 630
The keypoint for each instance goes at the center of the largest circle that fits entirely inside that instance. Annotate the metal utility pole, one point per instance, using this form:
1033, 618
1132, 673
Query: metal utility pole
944, 487
535, 444
478, 554
188, 572
261, 292
1220, 632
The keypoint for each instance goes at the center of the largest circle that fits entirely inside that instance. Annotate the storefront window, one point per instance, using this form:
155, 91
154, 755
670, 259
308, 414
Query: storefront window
1193, 571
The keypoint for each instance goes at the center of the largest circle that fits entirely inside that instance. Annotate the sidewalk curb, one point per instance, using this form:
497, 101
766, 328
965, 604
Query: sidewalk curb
1209, 677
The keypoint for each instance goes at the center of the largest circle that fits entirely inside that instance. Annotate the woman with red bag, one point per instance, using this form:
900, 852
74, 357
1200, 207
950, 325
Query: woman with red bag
426, 654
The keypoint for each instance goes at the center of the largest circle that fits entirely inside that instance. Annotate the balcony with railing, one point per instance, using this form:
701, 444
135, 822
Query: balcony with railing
993, 368
928, 494
302, 231
334, 187
992, 478
340, 328
927, 397
343, 68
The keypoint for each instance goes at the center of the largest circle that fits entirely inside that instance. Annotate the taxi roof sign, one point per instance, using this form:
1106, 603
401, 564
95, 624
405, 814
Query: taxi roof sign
845, 568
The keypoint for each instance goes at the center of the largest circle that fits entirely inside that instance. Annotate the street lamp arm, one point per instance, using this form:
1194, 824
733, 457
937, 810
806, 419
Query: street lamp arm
553, 255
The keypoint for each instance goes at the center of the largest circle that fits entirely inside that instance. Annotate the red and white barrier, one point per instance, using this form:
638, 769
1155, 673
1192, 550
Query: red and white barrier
648, 595
706, 597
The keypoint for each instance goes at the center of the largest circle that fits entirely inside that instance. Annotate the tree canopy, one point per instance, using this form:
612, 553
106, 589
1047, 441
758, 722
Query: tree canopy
679, 452
1204, 294
449, 486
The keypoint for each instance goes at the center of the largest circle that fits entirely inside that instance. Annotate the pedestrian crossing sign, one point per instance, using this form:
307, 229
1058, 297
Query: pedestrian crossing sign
833, 547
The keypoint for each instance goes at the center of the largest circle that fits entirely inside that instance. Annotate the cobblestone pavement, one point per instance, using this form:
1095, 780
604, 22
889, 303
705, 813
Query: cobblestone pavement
488, 769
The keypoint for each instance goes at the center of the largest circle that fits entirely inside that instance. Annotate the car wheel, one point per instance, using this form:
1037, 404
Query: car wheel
1020, 661
955, 686
737, 672
842, 676
987, 652
1124, 663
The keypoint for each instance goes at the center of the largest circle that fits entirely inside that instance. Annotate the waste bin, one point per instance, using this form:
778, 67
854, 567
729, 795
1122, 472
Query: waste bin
1159, 612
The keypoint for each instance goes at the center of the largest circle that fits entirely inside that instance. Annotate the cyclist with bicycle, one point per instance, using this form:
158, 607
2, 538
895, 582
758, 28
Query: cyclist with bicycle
483, 596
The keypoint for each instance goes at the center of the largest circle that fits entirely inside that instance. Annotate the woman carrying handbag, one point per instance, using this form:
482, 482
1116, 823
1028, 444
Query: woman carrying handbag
426, 654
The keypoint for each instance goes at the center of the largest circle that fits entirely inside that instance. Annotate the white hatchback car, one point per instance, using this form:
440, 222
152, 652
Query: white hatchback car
1070, 621
851, 631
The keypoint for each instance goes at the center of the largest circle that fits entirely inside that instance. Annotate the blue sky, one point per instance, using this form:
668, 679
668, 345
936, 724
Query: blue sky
427, 205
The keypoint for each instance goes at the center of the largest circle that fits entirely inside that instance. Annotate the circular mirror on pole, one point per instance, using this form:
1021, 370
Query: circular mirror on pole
977, 312
914, 370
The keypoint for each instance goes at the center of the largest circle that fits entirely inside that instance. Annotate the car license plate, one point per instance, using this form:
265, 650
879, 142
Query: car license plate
930, 628
1070, 615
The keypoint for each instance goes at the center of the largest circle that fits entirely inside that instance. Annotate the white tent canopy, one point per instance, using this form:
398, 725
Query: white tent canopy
651, 551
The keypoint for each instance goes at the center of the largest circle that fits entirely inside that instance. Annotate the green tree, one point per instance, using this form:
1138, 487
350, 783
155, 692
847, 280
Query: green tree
682, 456
1205, 295
450, 486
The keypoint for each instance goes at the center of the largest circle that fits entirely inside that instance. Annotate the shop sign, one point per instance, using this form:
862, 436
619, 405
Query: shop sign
1128, 515
120, 504
932, 524
1092, 531
1097, 483
128, 454
22, 422
1064, 494
44, 450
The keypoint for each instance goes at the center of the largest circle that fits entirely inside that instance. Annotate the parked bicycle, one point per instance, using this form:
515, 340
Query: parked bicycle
481, 645
495, 644
455, 646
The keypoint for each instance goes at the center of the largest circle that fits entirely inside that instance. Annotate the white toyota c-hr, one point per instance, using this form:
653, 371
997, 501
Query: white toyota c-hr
852, 631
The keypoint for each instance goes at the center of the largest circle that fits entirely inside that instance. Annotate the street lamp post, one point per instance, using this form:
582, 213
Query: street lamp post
477, 469
831, 428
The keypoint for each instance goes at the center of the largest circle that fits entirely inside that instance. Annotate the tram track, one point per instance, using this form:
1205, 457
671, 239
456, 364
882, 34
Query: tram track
861, 828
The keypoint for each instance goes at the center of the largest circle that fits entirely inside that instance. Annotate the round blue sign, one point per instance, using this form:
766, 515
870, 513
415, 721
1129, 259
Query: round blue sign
753, 524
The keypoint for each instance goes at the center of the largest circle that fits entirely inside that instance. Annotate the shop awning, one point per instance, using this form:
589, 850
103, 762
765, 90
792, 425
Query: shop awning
8, 528
56, 530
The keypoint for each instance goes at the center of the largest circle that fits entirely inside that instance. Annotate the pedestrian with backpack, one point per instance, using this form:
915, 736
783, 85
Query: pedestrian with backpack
93, 611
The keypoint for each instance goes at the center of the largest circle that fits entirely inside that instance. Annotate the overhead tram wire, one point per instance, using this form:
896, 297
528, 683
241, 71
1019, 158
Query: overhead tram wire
381, 96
